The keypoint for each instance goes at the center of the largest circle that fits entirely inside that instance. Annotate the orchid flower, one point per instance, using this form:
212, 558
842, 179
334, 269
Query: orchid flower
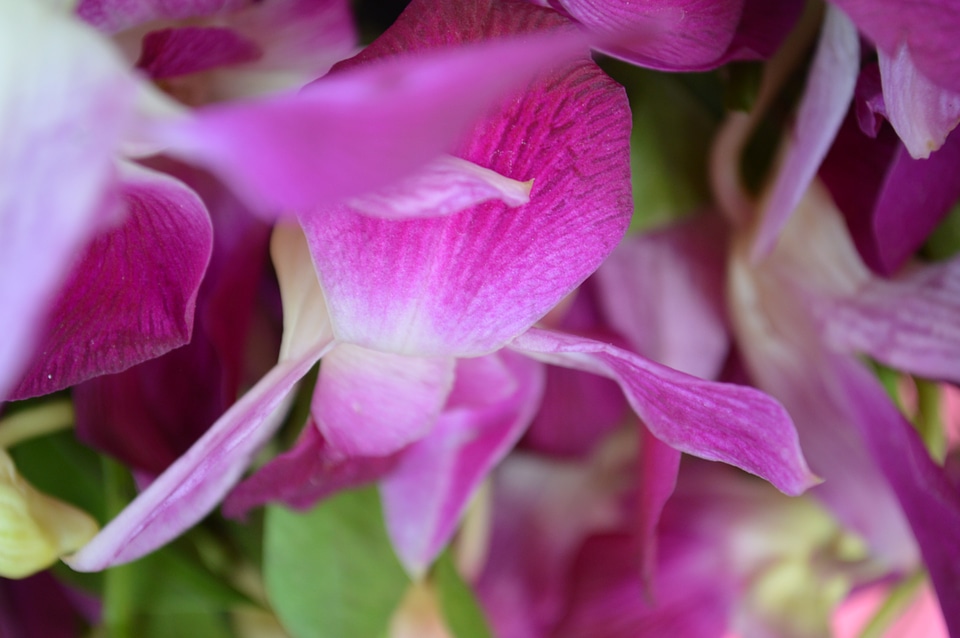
392, 305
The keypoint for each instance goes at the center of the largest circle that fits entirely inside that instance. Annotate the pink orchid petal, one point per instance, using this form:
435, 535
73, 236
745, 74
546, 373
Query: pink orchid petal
445, 186
928, 27
370, 403
663, 291
195, 483
63, 89
687, 34
931, 503
762, 29
826, 99
737, 425
659, 466
921, 113
172, 52
111, 16
911, 323
427, 493
360, 129
303, 475
305, 318
131, 297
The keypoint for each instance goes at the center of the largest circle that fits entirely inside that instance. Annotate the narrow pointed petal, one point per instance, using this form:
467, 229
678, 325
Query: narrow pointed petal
370, 403
170, 53
659, 466
826, 98
62, 88
922, 113
911, 323
445, 186
427, 493
359, 130
111, 16
663, 291
131, 297
195, 483
719, 422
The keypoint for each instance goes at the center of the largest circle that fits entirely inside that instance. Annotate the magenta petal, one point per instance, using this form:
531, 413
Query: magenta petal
719, 422
132, 295
921, 113
300, 477
195, 483
369, 403
659, 466
427, 493
663, 291
111, 16
359, 130
171, 52
911, 323
826, 99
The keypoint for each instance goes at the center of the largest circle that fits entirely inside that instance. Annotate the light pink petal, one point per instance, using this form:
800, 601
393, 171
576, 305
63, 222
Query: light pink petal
132, 295
427, 493
172, 52
370, 403
198, 480
659, 465
928, 27
911, 323
359, 130
921, 112
445, 186
686, 34
826, 99
111, 16
719, 422
303, 475
663, 291
65, 103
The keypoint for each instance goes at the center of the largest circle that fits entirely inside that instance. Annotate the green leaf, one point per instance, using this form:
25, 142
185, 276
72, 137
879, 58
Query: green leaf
457, 601
331, 572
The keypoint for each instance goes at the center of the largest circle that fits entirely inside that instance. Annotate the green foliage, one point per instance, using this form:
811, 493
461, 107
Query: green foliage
460, 609
331, 572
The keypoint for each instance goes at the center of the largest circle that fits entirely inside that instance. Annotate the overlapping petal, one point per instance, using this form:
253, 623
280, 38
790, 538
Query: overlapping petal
111, 16
734, 424
131, 297
172, 52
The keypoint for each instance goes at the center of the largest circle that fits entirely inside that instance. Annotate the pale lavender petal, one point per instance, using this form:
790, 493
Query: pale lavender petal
370, 403
826, 99
445, 186
172, 52
303, 475
65, 102
659, 465
663, 291
132, 295
111, 16
911, 323
359, 130
676, 34
921, 112
720, 422
928, 27
195, 483
431, 486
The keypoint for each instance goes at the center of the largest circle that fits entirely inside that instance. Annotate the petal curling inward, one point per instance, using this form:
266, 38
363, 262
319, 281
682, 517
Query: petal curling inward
190, 488
172, 52
429, 489
131, 297
734, 424
921, 113
445, 186
305, 319
369, 403
64, 89
356, 131
826, 98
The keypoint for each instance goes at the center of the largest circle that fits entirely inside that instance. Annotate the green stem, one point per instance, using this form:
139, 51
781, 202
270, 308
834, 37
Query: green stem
47, 418
119, 582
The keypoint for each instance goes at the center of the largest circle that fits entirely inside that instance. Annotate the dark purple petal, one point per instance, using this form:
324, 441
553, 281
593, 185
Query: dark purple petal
132, 295
719, 422
825, 101
431, 486
37, 607
172, 52
190, 488
111, 16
